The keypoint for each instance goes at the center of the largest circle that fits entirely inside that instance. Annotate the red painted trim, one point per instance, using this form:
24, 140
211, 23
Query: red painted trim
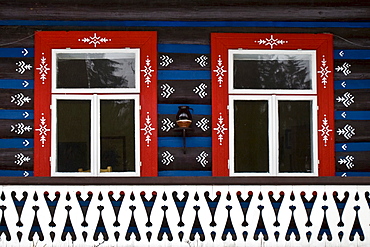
322, 43
47, 40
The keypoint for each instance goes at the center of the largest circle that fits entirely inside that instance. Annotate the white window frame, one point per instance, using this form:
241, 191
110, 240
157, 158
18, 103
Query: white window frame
233, 52
95, 134
272, 96
125, 51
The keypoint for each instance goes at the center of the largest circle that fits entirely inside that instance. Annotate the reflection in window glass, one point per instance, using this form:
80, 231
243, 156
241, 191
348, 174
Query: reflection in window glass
117, 135
295, 141
272, 71
73, 135
95, 70
251, 148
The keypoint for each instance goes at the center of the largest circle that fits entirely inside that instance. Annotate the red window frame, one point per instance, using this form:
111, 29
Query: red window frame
45, 41
322, 43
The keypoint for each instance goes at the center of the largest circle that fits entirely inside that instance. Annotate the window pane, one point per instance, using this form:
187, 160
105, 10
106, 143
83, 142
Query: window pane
73, 135
117, 135
251, 136
295, 143
272, 71
96, 70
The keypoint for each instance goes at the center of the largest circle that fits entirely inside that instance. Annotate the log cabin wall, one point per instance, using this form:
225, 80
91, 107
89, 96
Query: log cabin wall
184, 71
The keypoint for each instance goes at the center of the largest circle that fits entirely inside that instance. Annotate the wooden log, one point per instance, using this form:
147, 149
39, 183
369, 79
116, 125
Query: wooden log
13, 159
16, 99
352, 161
352, 131
352, 100
16, 128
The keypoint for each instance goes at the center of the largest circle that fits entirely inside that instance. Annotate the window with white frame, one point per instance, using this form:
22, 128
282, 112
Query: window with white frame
272, 102
95, 103
273, 106
95, 111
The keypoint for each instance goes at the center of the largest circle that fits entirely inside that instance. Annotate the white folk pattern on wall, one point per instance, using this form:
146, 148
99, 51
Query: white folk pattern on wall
220, 71
200, 90
271, 41
21, 158
348, 131
325, 130
202, 158
20, 99
20, 128
347, 99
220, 129
344, 69
347, 161
324, 71
203, 124
94, 40
167, 125
147, 72
202, 61
167, 90
43, 130
148, 129
43, 69
168, 158
22, 67
166, 60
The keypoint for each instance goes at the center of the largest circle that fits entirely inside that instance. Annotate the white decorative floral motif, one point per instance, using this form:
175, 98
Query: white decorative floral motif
168, 158
166, 60
167, 125
202, 61
19, 99
220, 129
167, 90
24, 52
344, 69
94, 40
324, 71
203, 124
200, 90
348, 131
43, 130
20, 128
325, 130
348, 161
147, 72
43, 69
347, 99
220, 71
21, 158
22, 67
202, 158
148, 129
271, 41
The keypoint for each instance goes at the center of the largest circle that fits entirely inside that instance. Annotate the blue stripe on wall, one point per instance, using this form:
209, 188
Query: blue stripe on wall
181, 48
16, 114
351, 54
181, 173
184, 75
18, 173
352, 147
177, 142
16, 143
352, 115
352, 174
16, 84
352, 84
306, 24
16, 52
173, 108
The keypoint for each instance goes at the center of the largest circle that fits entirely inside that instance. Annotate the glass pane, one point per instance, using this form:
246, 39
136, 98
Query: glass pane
96, 70
117, 135
251, 136
272, 71
73, 135
295, 131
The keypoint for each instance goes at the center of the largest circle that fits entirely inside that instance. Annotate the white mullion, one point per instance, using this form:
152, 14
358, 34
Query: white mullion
95, 134
273, 136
